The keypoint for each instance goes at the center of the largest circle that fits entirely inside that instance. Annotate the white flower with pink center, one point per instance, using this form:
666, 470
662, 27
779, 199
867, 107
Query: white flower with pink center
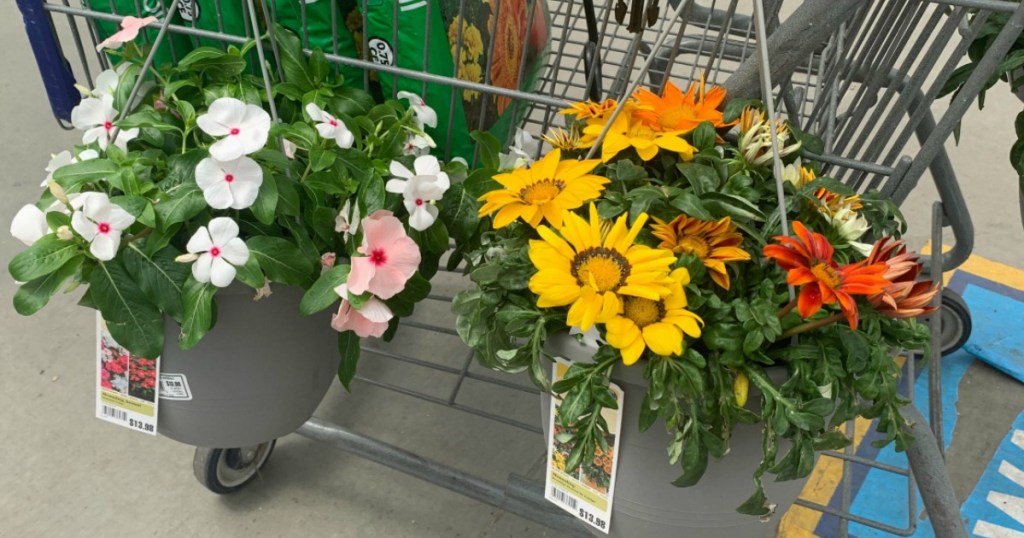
418, 143
130, 27
96, 117
244, 128
65, 158
100, 223
420, 189
423, 114
330, 127
233, 184
219, 251
29, 224
389, 257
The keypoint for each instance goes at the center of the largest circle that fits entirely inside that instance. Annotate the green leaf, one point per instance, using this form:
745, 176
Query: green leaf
808, 141
348, 347
56, 219
729, 205
159, 277
489, 147
416, 289
434, 239
690, 204
357, 162
481, 182
287, 196
42, 258
138, 207
132, 319
187, 111
752, 342
702, 178
250, 274
73, 176
735, 107
197, 300
351, 101
695, 461
183, 202
182, 168
281, 260
371, 193
460, 212
296, 70
147, 117
266, 201
319, 69
805, 421
757, 504
320, 159
212, 62
321, 295
32, 296
704, 136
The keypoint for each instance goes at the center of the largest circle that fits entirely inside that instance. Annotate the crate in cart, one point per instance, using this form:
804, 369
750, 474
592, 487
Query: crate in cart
862, 83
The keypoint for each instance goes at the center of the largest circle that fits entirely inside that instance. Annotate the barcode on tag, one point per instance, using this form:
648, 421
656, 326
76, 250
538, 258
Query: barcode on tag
114, 412
563, 497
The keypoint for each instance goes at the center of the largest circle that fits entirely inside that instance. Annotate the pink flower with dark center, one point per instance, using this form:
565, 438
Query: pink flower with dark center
389, 257
130, 27
370, 320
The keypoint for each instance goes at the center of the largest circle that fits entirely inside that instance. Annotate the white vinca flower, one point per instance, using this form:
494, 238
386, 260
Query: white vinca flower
420, 189
96, 117
418, 143
233, 184
65, 158
420, 110
29, 224
347, 221
330, 127
100, 223
244, 128
219, 250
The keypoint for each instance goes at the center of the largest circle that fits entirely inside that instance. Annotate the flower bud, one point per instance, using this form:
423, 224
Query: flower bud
64, 233
58, 192
187, 258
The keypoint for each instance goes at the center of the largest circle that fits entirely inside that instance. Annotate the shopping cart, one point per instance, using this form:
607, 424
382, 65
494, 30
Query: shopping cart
861, 75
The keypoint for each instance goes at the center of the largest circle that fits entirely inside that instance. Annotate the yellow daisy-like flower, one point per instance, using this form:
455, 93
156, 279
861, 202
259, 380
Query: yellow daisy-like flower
797, 174
628, 132
658, 325
594, 271
470, 72
714, 242
543, 191
565, 140
472, 41
831, 202
590, 111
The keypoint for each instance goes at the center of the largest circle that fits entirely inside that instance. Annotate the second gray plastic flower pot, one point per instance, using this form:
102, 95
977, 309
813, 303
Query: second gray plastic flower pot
256, 376
646, 503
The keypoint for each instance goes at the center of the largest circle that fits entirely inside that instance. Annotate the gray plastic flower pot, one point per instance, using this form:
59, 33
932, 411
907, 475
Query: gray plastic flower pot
256, 376
646, 503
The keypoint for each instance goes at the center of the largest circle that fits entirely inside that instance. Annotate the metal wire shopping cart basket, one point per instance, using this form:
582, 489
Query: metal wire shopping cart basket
861, 75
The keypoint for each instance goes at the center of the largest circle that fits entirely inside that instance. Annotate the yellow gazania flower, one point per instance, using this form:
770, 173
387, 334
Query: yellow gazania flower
714, 242
628, 132
676, 111
543, 191
565, 140
831, 202
590, 111
797, 174
593, 270
658, 325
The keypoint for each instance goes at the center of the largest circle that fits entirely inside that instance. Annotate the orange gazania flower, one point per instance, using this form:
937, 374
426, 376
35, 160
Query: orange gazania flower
807, 258
904, 297
676, 111
714, 242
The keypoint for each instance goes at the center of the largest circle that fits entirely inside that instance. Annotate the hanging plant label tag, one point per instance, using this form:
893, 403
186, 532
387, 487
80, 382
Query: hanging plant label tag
174, 387
126, 384
588, 491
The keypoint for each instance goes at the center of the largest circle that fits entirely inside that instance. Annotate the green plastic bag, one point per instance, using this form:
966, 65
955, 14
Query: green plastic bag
409, 46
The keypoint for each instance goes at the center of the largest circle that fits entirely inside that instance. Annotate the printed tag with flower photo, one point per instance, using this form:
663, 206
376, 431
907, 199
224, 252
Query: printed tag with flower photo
588, 491
126, 384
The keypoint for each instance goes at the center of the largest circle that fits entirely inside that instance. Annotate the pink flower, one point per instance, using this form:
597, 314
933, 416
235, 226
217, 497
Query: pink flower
130, 27
327, 261
389, 260
371, 320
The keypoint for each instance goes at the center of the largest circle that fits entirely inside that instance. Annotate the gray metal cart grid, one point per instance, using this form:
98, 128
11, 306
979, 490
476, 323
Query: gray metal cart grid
862, 75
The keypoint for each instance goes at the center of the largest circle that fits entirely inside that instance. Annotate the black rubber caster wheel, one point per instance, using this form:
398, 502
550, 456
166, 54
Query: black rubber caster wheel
955, 319
227, 470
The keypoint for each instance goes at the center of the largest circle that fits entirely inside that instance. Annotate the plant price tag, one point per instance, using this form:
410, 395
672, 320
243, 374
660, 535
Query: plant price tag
126, 385
588, 491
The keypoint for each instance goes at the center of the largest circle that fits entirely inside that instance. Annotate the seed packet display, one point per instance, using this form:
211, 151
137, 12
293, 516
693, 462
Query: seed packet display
126, 384
586, 492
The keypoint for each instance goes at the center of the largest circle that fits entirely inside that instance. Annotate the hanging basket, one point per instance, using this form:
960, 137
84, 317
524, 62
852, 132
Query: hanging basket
258, 375
646, 503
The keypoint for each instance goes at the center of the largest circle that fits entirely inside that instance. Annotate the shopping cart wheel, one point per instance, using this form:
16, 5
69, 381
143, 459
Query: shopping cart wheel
955, 319
227, 470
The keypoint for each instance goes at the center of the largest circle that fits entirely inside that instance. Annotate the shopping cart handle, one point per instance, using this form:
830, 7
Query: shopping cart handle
58, 79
